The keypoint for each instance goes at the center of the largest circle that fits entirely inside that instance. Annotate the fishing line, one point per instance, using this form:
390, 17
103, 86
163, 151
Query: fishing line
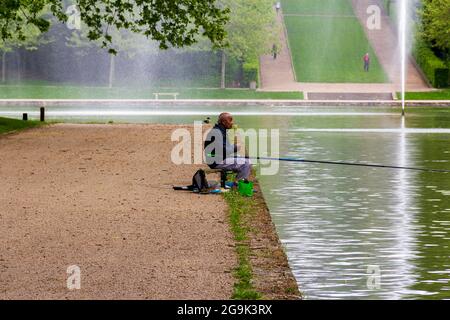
350, 164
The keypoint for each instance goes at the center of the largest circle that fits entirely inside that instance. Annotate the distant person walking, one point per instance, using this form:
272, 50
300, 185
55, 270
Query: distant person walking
278, 6
366, 59
274, 51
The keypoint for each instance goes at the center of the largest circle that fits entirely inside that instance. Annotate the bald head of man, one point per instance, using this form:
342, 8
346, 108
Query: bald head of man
226, 120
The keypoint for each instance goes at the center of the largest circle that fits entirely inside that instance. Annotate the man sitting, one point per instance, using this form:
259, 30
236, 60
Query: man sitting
221, 154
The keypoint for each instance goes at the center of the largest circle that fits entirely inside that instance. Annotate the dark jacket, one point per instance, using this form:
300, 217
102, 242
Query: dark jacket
221, 149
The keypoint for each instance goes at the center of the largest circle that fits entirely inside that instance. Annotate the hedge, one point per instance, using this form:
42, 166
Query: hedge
250, 71
433, 67
387, 6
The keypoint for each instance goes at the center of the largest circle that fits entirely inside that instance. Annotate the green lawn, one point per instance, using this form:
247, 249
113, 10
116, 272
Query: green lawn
325, 7
7, 125
432, 95
331, 50
33, 91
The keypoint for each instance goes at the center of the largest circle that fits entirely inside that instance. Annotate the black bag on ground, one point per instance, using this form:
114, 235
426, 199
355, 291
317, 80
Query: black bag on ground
199, 183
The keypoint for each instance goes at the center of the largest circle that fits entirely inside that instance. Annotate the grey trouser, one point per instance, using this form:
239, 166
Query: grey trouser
241, 166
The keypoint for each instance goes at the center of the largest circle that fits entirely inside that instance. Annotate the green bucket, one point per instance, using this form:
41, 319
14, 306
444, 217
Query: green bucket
245, 188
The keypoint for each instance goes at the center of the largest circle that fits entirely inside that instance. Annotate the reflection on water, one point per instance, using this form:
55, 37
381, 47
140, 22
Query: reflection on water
167, 112
404, 244
336, 221
401, 131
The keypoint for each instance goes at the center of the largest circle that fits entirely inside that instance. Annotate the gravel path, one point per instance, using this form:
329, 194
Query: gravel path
278, 73
100, 197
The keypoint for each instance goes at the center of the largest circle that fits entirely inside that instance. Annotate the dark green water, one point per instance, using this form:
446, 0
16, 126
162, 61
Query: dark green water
336, 221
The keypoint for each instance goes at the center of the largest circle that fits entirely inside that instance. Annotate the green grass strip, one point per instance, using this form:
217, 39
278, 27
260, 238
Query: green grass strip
31, 91
10, 125
322, 7
431, 95
240, 210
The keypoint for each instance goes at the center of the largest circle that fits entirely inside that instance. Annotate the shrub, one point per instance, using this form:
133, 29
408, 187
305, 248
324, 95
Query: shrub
387, 6
433, 67
233, 72
250, 72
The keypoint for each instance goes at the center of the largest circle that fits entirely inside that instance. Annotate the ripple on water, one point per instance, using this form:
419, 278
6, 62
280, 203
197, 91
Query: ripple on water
336, 221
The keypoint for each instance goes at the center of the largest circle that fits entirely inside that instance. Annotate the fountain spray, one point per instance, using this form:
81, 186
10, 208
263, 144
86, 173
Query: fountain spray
402, 25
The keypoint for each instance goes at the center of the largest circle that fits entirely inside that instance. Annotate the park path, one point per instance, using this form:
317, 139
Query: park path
278, 75
384, 42
100, 197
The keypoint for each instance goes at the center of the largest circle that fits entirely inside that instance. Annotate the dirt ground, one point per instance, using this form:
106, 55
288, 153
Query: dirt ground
100, 197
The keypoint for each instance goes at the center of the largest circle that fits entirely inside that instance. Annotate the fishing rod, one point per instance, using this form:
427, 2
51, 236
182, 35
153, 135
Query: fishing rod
349, 164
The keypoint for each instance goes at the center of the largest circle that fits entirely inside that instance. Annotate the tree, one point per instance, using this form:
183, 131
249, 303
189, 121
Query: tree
5, 47
436, 23
125, 43
30, 41
251, 31
169, 23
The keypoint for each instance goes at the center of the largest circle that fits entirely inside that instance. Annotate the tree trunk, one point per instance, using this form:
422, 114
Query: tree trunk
19, 67
111, 70
222, 74
3, 66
